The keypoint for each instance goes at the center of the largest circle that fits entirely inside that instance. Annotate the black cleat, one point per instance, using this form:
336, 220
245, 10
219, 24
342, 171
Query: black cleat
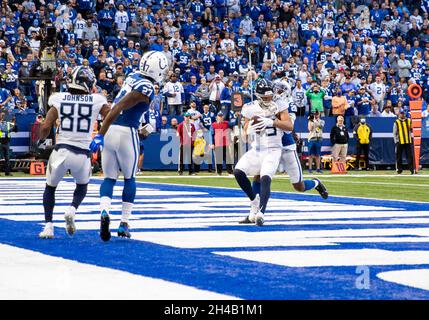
322, 190
104, 226
246, 221
123, 230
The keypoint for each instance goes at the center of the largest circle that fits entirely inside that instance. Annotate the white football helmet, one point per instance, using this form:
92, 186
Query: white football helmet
282, 90
154, 64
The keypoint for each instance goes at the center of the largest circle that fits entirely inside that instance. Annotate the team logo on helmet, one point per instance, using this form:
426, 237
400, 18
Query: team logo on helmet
82, 78
155, 65
264, 91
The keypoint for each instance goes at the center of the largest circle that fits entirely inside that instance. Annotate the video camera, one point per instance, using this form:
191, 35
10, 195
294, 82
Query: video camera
47, 65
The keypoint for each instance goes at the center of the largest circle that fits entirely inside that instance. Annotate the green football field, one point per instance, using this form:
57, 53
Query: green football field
381, 184
378, 184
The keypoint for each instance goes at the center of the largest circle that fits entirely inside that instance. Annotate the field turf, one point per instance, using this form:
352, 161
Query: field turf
381, 184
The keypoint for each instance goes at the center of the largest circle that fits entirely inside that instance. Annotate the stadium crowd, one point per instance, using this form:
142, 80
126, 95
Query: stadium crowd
349, 58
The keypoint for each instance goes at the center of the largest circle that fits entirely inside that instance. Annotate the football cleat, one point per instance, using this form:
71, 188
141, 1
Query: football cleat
322, 190
47, 232
259, 219
250, 219
254, 206
70, 225
123, 230
104, 226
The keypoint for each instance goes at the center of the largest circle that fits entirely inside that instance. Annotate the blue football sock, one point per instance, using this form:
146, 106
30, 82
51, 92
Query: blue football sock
129, 191
79, 194
310, 184
265, 192
244, 183
49, 202
106, 188
256, 187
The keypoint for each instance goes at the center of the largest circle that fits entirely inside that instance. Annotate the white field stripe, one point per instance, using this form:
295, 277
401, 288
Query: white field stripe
208, 222
418, 278
27, 274
235, 238
323, 258
230, 188
271, 216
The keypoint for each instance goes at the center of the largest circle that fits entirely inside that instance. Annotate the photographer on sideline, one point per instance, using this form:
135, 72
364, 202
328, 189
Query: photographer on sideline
315, 137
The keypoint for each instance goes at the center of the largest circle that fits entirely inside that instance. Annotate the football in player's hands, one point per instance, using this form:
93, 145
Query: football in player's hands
255, 120
256, 125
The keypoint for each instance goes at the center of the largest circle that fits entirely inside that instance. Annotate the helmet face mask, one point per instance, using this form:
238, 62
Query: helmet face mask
264, 92
281, 90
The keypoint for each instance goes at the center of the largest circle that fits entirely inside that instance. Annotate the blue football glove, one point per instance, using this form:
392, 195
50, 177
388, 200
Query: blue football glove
96, 143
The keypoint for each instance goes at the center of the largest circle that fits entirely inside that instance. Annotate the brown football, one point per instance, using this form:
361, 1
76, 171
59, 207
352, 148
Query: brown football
255, 119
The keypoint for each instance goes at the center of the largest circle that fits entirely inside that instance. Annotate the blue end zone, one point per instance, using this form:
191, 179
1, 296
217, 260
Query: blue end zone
241, 278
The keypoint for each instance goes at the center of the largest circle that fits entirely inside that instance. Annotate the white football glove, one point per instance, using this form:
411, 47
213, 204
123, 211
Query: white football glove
254, 128
266, 122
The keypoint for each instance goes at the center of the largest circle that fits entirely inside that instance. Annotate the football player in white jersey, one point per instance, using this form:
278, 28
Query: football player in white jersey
265, 121
121, 146
77, 111
290, 159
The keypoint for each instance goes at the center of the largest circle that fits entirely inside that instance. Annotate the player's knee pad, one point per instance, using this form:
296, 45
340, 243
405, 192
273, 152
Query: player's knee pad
79, 194
106, 187
129, 192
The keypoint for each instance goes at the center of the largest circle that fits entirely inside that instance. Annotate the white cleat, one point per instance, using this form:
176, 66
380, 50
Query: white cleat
70, 225
47, 232
259, 219
254, 208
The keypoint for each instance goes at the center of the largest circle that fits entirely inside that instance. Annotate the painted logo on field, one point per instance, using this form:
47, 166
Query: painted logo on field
309, 248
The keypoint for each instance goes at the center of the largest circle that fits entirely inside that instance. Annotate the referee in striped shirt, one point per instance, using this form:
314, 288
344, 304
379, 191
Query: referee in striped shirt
402, 131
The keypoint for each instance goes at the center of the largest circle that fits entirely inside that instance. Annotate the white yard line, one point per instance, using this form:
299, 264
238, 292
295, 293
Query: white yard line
277, 177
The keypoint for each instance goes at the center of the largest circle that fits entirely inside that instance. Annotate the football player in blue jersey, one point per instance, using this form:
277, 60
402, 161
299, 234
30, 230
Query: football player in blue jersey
121, 143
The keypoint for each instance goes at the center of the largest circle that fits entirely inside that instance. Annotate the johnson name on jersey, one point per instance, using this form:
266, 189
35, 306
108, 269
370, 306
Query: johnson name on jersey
77, 113
134, 82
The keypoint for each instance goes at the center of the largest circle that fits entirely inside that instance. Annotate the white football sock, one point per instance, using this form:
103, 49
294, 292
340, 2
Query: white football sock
127, 207
105, 204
